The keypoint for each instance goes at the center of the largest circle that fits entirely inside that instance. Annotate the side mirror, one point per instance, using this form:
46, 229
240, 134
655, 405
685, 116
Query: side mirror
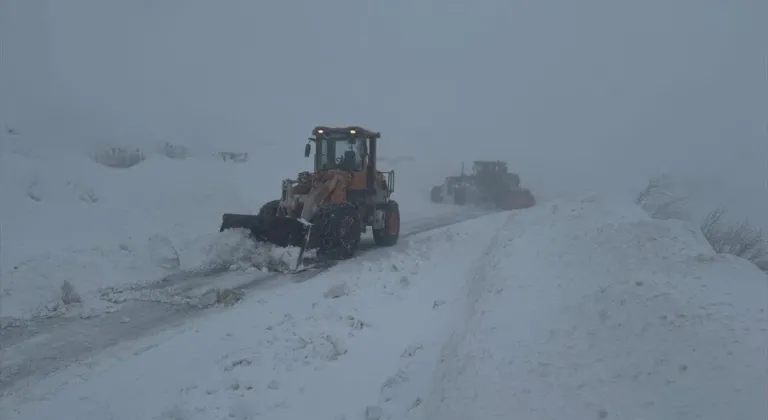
307, 150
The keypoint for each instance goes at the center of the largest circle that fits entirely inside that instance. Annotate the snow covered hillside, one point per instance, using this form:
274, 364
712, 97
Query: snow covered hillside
67, 218
591, 310
571, 309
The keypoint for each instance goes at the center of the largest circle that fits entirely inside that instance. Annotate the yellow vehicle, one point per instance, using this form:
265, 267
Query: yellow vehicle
330, 208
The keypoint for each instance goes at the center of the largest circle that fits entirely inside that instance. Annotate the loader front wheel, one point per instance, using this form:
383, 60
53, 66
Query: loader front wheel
338, 231
269, 209
460, 196
390, 233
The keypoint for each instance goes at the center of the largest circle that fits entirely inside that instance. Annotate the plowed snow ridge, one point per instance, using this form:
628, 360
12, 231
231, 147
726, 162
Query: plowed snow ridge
577, 309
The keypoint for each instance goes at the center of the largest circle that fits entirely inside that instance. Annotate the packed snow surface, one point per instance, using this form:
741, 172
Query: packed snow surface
364, 334
571, 309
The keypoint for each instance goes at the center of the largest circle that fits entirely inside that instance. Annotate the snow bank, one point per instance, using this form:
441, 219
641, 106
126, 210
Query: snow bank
592, 310
68, 218
358, 342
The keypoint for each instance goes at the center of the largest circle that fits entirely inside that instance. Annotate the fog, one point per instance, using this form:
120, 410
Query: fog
575, 95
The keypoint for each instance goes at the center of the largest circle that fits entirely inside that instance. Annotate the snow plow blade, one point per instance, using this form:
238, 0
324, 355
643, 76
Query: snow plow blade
518, 198
280, 231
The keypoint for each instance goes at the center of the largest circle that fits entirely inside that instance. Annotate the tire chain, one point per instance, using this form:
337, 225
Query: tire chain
329, 235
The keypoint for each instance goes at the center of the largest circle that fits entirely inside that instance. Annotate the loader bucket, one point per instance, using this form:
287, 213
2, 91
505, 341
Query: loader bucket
277, 230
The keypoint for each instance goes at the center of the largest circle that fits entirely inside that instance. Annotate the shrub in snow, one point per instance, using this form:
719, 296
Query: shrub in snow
68, 294
117, 157
741, 240
659, 202
173, 151
11, 131
404, 282
35, 190
232, 157
88, 195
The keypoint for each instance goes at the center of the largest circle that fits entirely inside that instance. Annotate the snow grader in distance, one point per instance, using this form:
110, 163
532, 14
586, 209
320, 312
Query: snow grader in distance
489, 183
454, 188
330, 208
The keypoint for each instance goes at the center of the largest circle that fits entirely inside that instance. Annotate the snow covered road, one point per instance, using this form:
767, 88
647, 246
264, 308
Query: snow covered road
367, 326
572, 309
39, 347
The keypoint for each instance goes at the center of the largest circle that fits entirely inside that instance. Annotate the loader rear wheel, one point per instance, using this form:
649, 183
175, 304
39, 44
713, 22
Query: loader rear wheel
338, 231
436, 195
388, 235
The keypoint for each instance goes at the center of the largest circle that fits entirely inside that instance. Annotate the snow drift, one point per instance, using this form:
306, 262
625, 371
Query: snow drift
592, 310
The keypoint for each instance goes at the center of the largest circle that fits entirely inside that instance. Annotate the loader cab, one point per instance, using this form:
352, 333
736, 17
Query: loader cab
340, 152
351, 149
489, 168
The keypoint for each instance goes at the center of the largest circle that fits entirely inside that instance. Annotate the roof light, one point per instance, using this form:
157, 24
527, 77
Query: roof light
320, 131
352, 131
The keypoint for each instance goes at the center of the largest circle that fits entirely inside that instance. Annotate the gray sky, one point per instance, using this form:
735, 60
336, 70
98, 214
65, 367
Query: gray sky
572, 93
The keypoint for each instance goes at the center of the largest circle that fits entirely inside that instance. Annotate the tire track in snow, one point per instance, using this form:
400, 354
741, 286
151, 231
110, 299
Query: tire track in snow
43, 347
406, 393
451, 360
